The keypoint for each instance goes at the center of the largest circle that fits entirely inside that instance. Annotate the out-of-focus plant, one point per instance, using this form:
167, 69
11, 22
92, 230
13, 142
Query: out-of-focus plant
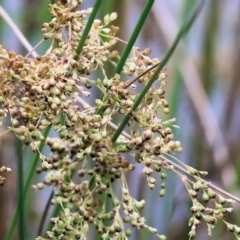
37, 92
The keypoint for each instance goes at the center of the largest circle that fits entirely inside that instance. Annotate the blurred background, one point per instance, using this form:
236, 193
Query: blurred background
203, 93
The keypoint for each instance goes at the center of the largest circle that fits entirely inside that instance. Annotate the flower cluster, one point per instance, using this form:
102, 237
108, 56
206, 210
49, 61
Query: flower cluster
38, 93
6, 170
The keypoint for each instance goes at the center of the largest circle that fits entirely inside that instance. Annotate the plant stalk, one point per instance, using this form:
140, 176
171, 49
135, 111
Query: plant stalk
20, 192
184, 29
130, 44
88, 26
27, 185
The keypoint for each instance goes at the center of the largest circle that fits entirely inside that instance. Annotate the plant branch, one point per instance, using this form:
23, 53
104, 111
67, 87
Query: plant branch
183, 170
169, 162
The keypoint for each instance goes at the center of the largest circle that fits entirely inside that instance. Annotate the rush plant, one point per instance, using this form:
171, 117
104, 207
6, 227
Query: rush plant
49, 91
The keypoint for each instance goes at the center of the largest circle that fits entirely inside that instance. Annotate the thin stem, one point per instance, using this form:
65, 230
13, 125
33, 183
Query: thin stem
62, 119
184, 29
4, 132
142, 74
130, 44
88, 26
134, 36
45, 212
183, 170
21, 227
192, 81
34, 48
27, 184
16, 30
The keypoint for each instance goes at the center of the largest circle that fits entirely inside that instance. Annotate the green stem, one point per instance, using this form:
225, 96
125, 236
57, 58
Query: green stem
88, 26
130, 44
21, 226
184, 29
27, 185
62, 119
134, 36
106, 8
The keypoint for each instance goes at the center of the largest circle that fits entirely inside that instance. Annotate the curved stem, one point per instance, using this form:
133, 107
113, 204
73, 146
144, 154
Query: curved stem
184, 29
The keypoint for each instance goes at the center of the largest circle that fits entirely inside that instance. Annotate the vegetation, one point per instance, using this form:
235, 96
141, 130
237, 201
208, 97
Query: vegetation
49, 91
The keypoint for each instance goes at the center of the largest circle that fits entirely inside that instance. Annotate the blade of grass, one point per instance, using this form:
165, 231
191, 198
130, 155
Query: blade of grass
208, 48
88, 26
175, 102
134, 35
192, 81
120, 65
184, 29
20, 192
130, 44
106, 8
19, 209
27, 185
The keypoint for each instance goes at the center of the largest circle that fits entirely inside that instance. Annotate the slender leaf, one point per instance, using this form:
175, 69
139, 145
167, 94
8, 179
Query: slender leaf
27, 185
184, 29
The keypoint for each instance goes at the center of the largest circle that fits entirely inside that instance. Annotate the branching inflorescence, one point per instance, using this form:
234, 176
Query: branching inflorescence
35, 92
